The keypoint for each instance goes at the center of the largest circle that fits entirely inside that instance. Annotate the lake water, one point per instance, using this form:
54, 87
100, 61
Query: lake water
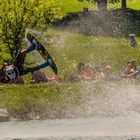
119, 128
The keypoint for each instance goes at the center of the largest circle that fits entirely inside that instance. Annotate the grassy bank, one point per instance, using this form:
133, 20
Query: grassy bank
70, 48
29, 101
43, 100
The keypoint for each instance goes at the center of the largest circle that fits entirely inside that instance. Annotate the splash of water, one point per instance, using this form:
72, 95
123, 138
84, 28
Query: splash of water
111, 113
113, 100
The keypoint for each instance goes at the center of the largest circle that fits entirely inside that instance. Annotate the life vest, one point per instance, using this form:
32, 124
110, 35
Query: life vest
12, 72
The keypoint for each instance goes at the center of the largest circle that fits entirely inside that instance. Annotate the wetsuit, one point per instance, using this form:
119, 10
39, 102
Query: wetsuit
17, 69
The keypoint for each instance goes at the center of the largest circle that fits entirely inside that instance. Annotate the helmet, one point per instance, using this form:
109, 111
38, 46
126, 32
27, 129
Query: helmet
11, 72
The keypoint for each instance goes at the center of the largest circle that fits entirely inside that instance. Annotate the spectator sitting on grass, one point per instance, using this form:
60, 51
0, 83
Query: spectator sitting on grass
107, 70
130, 71
89, 73
79, 72
104, 72
39, 77
99, 72
84, 73
132, 39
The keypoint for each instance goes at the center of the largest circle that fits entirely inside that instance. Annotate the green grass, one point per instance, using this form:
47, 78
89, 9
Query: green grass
39, 99
75, 48
68, 6
134, 4
68, 50
15, 96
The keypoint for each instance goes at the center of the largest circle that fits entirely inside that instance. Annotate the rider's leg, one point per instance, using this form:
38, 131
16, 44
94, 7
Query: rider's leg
19, 61
32, 69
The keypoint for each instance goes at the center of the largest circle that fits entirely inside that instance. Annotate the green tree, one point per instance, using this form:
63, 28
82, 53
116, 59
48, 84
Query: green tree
17, 15
102, 4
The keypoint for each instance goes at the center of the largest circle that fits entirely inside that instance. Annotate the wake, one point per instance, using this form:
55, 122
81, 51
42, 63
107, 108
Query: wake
107, 99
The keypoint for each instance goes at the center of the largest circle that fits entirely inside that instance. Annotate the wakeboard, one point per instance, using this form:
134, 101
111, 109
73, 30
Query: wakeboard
43, 52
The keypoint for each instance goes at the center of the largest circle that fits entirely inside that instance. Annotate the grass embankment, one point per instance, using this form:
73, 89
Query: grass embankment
69, 49
41, 101
27, 101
